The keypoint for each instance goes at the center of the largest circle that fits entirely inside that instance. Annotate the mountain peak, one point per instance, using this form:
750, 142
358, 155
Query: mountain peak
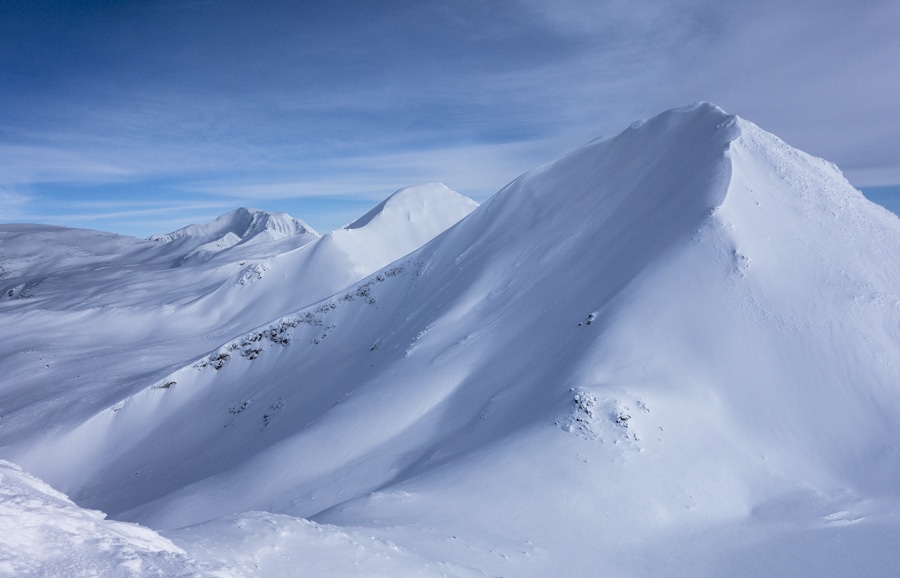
692, 113
651, 184
417, 201
406, 220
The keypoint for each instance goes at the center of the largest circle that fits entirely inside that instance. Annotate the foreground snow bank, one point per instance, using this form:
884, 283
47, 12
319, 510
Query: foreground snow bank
265, 544
45, 534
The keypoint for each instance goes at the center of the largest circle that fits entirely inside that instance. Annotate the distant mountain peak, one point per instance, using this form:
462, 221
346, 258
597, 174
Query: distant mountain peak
241, 225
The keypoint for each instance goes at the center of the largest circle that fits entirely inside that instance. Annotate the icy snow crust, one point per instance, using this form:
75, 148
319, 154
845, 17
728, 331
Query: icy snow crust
673, 351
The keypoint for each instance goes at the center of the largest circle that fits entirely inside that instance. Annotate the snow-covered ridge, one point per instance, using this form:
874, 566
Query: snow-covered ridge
280, 331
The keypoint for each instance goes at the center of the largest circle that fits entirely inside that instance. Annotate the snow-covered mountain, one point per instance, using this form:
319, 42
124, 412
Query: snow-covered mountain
242, 225
58, 268
93, 316
671, 352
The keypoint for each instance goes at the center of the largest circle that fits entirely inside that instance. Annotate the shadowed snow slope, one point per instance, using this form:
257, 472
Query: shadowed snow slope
672, 351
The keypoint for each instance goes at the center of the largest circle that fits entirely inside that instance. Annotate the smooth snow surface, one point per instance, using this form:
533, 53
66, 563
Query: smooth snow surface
671, 352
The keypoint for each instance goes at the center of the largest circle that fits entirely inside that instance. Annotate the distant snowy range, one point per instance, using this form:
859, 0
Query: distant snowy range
672, 352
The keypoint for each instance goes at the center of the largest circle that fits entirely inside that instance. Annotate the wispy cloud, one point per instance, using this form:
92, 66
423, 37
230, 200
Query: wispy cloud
140, 217
478, 170
287, 101
30, 164
97, 212
14, 205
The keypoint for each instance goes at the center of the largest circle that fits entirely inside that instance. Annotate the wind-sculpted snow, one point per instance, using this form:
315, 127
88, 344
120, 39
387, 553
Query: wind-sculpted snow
673, 349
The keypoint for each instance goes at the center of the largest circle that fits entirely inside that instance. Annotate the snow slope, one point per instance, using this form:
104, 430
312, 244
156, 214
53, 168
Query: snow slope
96, 316
673, 351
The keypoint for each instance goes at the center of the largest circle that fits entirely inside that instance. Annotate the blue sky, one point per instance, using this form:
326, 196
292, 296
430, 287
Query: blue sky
142, 117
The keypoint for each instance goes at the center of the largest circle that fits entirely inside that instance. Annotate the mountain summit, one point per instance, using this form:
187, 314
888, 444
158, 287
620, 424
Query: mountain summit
407, 219
674, 347
416, 203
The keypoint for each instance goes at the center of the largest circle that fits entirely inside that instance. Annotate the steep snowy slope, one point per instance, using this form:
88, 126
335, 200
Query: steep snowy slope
675, 347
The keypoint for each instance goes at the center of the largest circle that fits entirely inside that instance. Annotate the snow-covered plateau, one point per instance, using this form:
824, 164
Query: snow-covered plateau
672, 352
